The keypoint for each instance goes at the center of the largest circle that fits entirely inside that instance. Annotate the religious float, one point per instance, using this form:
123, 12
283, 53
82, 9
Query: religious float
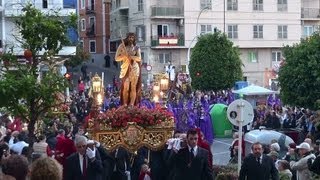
130, 127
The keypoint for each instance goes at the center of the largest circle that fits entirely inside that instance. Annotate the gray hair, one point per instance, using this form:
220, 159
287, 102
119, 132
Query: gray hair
80, 139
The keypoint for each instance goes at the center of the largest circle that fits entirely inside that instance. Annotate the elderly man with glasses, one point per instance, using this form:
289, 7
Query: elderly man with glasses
85, 164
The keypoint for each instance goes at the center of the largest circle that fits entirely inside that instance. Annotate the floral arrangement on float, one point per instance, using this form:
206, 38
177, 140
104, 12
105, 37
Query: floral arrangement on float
144, 117
132, 127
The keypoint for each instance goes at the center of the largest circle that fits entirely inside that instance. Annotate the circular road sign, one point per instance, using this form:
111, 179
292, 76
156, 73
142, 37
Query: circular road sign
234, 112
149, 68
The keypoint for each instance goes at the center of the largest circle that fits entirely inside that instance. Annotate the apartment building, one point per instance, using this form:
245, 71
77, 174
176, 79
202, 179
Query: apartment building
94, 29
9, 32
166, 30
259, 28
159, 29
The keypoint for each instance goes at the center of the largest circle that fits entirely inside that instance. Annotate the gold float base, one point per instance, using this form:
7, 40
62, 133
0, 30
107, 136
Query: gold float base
132, 137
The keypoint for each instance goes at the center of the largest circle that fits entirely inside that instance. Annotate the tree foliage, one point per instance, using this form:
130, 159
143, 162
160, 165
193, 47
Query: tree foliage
215, 63
21, 92
299, 76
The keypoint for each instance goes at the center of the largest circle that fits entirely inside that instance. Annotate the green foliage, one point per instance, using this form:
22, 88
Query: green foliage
215, 63
299, 77
43, 31
21, 93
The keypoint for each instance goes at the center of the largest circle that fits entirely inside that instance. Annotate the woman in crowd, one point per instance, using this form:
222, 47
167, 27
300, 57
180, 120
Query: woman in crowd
46, 168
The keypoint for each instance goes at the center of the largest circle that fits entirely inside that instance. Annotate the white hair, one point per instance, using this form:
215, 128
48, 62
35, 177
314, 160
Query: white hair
275, 147
80, 139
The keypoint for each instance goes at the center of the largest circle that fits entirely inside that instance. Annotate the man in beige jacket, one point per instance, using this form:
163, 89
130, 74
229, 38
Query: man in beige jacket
301, 166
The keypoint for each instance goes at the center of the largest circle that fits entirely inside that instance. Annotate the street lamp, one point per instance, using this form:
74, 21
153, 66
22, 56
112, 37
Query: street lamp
97, 89
164, 84
189, 48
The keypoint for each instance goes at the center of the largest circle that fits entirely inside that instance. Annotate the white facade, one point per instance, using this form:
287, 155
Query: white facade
260, 28
10, 32
259, 33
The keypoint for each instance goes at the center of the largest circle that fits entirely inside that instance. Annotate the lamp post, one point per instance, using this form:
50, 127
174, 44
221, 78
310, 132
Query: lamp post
189, 48
97, 90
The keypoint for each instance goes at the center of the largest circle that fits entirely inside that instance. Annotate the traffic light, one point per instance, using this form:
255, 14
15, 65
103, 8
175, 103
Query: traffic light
67, 76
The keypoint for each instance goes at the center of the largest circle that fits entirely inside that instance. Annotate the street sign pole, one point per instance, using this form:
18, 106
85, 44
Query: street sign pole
240, 136
240, 113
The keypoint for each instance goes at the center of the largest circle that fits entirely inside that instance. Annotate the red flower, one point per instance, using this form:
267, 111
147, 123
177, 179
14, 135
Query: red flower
142, 116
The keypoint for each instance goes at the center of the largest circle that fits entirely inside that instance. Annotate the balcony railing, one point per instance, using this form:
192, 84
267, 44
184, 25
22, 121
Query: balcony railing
90, 10
310, 13
167, 41
157, 11
90, 32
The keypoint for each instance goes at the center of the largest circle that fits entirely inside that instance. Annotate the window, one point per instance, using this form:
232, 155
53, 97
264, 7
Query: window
258, 5
205, 28
140, 32
118, 3
83, 24
91, 4
308, 31
163, 30
140, 5
232, 5
83, 5
282, 32
258, 31
233, 31
142, 58
276, 56
92, 24
92, 46
164, 58
45, 4
282, 5
205, 4
253, 56
81, 44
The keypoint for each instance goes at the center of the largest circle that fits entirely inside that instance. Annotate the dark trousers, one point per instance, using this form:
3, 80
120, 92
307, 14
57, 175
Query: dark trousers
118, 176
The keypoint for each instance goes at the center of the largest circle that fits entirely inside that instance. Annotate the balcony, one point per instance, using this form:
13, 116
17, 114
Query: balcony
161, 42
310, 13
166, 12
90, 10
91, 32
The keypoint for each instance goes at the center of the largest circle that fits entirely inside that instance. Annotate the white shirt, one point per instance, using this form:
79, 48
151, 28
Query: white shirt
17, 147
195, 150
81, 161
260, 159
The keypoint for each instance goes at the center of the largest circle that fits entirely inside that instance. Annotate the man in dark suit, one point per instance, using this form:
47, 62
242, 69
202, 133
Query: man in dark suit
85, 164
258, 166
121, 165
191, 163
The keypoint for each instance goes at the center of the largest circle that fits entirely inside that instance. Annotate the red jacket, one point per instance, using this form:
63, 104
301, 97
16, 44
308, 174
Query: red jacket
16, 125
64, 148
203, 144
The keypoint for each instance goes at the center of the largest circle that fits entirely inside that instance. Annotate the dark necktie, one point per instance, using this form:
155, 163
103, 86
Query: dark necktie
191, 154
258, 160
84, 168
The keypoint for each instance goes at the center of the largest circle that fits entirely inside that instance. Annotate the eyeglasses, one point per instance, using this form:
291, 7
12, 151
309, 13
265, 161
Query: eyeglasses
82, 146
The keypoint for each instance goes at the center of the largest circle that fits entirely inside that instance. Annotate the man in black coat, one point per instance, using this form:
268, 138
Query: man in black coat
191, 163
85, 164
120, 167
258, 166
